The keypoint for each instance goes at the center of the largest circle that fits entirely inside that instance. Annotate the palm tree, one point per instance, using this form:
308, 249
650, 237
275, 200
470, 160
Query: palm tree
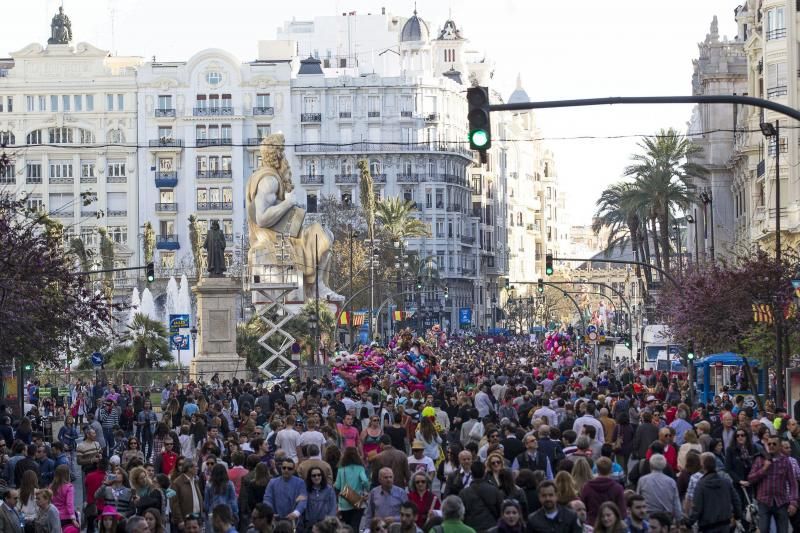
396, 216
148, 343
665, 178
617, 211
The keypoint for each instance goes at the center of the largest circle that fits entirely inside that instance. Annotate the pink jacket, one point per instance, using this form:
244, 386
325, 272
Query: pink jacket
64, 500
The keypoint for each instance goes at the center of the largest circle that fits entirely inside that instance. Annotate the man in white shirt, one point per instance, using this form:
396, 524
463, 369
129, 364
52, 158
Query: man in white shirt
588, 419
483, 402
287, 438
545, 411
311, 436
419, 462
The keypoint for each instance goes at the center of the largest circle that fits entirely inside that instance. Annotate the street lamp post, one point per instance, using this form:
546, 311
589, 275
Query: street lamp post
708, 215
193, 333
769, 130
678, 245
693, 221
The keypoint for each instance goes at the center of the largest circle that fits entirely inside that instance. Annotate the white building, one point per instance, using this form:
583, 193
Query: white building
201, 122
68, 115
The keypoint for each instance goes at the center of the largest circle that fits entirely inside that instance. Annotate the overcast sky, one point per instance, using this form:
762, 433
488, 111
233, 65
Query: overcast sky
563, 49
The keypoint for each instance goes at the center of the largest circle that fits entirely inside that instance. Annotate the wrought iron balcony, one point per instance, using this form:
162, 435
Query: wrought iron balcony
201, 143
345, 114
432, 117
166, 207
167, 242
310, 117
379, 178
346, 178
373, 114
34, 181
7, 180
89, 179
213, 111
408, 178
264, 110
312, 179
117, 179
774, 92
777, 33
165, 112
214, 206
117, 212
62, 181
167, 179
406, 114
165, 142
216, 174
254, 141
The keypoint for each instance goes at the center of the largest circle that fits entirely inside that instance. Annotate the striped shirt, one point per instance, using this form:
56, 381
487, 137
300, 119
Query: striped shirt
108, 419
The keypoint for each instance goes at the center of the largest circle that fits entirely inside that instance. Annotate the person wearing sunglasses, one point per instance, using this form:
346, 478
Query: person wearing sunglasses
321, 498
426, 503
775, 485
286, 494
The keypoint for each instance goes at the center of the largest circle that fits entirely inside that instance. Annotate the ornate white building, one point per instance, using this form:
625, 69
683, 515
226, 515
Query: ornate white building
201, 122
68, 117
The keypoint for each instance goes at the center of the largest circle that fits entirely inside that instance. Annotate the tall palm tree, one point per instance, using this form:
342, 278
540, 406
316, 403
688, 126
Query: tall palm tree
665, 178
617, 211
396, 216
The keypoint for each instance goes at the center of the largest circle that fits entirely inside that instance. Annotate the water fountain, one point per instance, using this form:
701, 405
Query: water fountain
135, 305
148, 305
183, 303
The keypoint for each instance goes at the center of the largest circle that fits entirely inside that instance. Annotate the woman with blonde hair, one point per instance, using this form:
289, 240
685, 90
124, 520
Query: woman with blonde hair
690, 442
581, 473
46, 519
565, 488
145, 494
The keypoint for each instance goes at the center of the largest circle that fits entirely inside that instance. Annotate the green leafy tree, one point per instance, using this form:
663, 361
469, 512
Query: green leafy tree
148, 345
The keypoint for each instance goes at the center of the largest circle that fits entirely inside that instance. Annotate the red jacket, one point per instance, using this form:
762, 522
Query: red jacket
599, 490
670, 454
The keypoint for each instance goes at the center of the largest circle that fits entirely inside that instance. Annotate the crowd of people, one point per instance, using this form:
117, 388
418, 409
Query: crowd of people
504, 439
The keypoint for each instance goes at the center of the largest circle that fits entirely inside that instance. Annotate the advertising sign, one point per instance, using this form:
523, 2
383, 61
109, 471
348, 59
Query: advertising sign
465, 315
179, 342
178, 322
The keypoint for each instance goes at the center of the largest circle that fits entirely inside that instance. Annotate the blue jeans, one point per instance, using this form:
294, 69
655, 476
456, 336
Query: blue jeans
767, 512
108, 434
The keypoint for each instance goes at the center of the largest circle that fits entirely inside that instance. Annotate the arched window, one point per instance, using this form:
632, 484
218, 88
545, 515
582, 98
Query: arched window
7, 137
34, 137
374, 167
311, 167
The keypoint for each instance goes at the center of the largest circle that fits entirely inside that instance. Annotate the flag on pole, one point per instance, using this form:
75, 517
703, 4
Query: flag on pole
762, 313
399, 315
344, 318
359, 318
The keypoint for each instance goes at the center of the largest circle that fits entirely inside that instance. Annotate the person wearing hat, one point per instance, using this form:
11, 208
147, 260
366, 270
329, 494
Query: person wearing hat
419, 462
109, 518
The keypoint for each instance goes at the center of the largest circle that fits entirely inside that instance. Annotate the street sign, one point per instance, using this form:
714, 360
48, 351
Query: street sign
97, 359
465, 315
179, 342
178, 322
591, 329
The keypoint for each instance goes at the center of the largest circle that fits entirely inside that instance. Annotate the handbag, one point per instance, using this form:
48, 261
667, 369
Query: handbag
352, 497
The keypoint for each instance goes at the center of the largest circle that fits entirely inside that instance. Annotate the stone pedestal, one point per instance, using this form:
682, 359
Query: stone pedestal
216, 335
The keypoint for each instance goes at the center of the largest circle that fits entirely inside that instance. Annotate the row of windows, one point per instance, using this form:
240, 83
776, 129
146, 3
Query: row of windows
66, 103
62, 135
64, 169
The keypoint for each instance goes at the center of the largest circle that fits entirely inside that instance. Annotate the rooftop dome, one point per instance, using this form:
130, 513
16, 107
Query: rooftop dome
519, 95
415, 29
311, 65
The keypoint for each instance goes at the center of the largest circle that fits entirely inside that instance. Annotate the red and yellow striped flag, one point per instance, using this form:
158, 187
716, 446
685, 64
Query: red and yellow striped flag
359, 318
762, 313
343, 318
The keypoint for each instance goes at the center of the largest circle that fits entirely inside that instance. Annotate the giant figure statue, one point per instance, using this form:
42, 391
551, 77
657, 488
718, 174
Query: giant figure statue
271, 211
60, 28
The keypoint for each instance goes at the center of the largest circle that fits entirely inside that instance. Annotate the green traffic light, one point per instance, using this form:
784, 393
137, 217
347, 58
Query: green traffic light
479, 138
549, 271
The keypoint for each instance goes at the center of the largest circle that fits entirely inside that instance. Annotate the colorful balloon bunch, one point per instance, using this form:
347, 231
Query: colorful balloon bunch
559, 347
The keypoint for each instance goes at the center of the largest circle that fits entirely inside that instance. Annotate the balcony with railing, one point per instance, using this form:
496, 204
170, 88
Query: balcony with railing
202, 143
213, 111
88, 179
310, 117
264, 111
167, 179
467, 239
254, 141
362, 147
33, 180
406, 114
214, 174
214, 206
89, 214
165, 113
117, 212
62, 181
373, 114
454, 208
431, 117
777, 91
165, 142
167, 242
312, 179
345, 114
408, 178
117, 179
777, 33
379, 178
346, 178
7, 180
166, 207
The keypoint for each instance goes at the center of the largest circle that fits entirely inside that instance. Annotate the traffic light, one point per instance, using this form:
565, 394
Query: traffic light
690, 351
548, 264
627, 341
508, 284
540, 286
446, 292
150, 271
419, 282
480, 128
28, 367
